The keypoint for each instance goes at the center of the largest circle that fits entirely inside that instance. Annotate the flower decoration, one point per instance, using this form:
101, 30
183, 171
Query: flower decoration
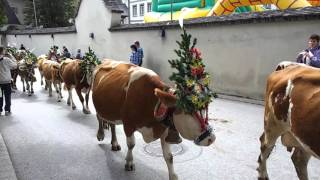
193, 92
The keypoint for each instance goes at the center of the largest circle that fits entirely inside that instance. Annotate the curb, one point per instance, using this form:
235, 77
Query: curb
6, 169
241, 99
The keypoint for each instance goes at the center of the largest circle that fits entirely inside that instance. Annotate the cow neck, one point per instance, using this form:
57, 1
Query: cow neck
164, 114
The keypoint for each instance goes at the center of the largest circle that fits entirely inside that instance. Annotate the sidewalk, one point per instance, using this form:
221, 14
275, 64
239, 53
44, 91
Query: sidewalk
6, 168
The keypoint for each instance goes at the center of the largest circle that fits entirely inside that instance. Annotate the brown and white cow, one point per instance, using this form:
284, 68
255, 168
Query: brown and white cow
41, 60
51, 73
292, 104
128, 94
73, 77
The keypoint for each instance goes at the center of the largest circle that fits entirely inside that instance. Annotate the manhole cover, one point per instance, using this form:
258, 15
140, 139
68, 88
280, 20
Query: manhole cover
185, 151
154, 149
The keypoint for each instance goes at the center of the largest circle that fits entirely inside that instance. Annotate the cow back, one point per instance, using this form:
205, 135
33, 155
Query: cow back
123, 91
294, 94
72, 74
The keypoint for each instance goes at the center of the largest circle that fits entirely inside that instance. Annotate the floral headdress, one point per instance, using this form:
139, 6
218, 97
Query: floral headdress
90, 58
193, 92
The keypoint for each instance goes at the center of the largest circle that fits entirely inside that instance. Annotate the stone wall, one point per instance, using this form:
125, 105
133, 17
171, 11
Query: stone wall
239, 51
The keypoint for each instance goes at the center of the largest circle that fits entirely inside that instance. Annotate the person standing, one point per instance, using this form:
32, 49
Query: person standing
134, 59
140, 52
79, 55
66, 53
7, 62
311, 56
22, 47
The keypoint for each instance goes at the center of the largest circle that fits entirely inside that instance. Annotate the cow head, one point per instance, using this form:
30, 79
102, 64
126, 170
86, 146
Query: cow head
191, 126
87, 67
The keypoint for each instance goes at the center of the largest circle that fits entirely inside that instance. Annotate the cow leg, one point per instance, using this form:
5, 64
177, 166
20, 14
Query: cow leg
70, 99
84, 110
31, 83
41, 78
100, 133
129, 158
57, 90
300, 159
46, 86
168, 158
29, 87
60, 89
23, 87
114, 142
268, 140
87, 101
49, 83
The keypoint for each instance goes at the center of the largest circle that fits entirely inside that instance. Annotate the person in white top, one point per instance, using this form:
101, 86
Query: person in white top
7, 62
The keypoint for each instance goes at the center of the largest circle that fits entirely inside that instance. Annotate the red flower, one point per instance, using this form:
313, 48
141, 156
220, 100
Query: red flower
196, 53
200, 70
194, 71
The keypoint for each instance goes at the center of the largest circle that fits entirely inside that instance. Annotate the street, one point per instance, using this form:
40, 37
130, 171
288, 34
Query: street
48, 140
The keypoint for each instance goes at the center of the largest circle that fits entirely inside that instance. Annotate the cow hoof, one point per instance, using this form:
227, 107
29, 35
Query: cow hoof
116, 148
24, 90
263, 178
130, 167
29, 94
32, 92
173, 177
68, 103
86, 111
59, 100
100, 135
73, 107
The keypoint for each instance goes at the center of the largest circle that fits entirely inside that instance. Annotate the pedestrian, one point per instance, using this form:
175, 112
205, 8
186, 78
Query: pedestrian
66, 52
7, 62
134, 57
53, 55
22, 47
140, 52
311, 56
79, 55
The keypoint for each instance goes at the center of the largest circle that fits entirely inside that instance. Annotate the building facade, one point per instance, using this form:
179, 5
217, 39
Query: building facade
138, 8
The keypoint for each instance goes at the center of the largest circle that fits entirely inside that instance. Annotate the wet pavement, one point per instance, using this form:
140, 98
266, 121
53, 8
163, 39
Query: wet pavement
47, 140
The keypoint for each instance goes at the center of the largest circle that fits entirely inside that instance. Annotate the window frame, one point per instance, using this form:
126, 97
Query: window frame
134, 10
141, 9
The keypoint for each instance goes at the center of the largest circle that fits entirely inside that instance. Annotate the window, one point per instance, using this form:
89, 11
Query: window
142, 9
134, 11
149, 7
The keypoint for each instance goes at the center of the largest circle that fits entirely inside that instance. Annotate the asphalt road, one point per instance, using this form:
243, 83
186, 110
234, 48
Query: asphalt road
47, 140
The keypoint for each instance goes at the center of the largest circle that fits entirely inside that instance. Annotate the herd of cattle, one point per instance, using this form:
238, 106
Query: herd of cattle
124, 93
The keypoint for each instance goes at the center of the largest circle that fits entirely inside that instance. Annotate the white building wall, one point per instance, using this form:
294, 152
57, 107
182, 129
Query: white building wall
138, 18
239, 57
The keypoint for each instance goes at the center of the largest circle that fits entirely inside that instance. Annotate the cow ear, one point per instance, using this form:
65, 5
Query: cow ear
166, 98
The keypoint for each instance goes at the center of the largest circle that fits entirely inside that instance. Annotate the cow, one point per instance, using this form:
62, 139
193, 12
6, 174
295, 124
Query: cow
292, 102
26, 73
19, 55
127, 94
41, 59
52, 75
74, 76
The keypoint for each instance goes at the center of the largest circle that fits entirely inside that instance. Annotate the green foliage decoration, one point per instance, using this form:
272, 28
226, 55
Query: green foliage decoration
192, 91
90, 59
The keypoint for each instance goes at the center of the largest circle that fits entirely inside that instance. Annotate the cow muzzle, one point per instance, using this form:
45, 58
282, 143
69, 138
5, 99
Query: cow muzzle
206, 138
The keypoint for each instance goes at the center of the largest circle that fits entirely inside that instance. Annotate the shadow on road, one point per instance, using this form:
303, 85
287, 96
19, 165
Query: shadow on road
116, 164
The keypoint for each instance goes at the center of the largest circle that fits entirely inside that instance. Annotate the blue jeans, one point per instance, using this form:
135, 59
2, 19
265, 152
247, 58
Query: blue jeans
6, 92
